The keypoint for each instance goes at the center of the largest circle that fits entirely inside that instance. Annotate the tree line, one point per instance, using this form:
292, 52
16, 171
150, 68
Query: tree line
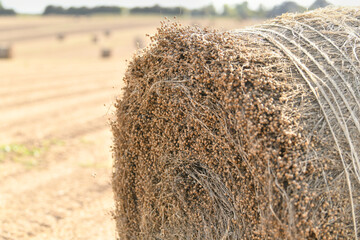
4, 11
240, 10
57, 10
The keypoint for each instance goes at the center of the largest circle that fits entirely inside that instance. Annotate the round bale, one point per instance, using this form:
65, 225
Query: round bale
107, 32
246, 134
60, 37
6, 51
105, 52
94, 39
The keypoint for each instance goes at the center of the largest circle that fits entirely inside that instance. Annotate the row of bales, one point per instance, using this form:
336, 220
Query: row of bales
61, 36
6, 50
106, 52
246, 134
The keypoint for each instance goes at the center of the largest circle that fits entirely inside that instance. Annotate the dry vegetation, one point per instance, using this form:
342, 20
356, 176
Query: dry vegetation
55, 163
249, 134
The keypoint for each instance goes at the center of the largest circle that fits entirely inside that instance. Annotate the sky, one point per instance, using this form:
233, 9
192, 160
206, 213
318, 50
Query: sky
38, 6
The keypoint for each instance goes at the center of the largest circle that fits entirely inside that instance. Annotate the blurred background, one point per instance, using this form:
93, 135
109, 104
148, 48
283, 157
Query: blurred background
61, 69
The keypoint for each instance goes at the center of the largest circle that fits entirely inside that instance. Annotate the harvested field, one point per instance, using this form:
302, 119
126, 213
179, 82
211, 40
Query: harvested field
56, 97
245, 134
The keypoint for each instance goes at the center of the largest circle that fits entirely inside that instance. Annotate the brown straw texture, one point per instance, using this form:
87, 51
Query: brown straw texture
246, 134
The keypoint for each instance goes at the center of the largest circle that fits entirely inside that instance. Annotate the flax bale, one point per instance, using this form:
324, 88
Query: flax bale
94, 39
60, 37
5, 51
107, 32
105, 52
250, 134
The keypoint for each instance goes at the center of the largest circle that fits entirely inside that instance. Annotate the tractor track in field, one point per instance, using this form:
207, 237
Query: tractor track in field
65, 187
50, 97
30, 25
42, 86
17, 28
55, 117
55, 110
47, 79
71, 182
63, 197
67, 194
51, 171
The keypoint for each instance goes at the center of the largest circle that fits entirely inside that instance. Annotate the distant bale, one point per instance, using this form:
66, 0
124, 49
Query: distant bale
106, 53
95, 39
5, 52
247, 134
107, 33
60, 37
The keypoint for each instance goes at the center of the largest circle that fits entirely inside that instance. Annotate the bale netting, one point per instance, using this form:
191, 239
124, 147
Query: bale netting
246, 134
